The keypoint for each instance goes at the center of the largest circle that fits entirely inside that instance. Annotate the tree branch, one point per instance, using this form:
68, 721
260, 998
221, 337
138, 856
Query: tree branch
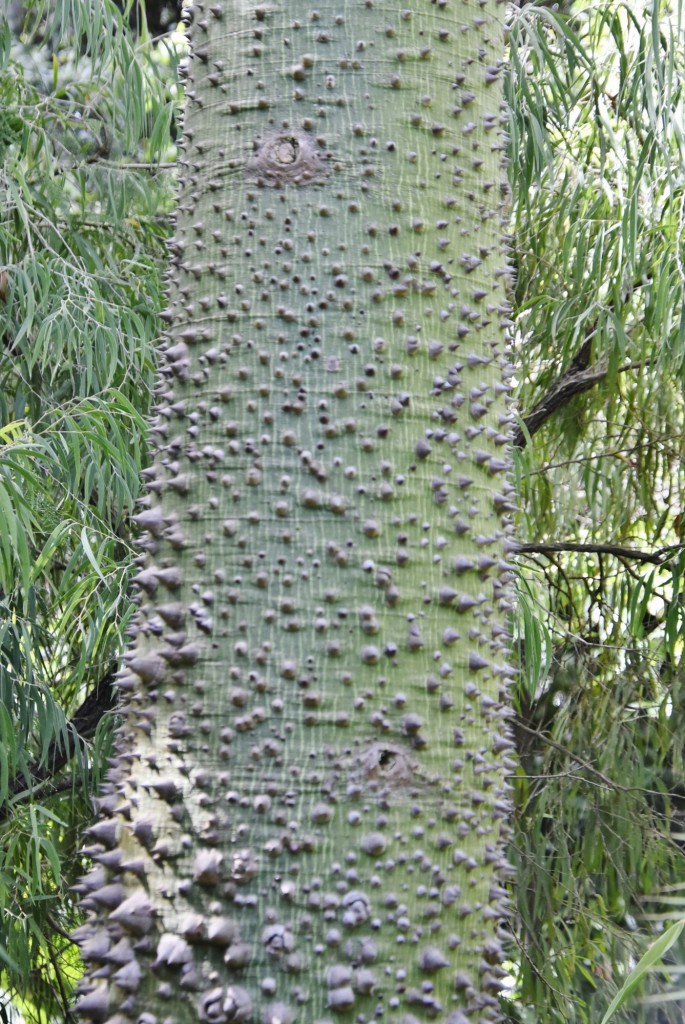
81, 726
577, 378
654, 557
581, 765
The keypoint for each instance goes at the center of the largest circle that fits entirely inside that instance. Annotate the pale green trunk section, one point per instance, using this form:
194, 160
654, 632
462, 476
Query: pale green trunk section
304, 821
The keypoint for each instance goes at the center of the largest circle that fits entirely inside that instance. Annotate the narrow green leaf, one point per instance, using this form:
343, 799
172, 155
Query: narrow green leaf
90, 555
652, 957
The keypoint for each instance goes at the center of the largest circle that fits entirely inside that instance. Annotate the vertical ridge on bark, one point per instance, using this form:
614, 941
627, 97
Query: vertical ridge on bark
305, 814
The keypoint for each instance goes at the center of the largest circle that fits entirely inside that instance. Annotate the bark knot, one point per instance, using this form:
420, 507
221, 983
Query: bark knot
286, 158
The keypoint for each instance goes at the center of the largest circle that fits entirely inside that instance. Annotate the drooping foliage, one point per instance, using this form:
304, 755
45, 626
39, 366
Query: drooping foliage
598, 170
85, 114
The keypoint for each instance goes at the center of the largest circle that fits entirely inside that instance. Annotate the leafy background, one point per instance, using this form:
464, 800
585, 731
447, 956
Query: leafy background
597, 179
86, 111
88, 100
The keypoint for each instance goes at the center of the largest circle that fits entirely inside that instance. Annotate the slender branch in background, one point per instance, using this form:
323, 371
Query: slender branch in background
603, 779
579, 377
610, 453
654, 557
81, 727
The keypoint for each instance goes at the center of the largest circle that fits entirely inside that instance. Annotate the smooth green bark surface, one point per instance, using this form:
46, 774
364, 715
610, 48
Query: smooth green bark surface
304, 821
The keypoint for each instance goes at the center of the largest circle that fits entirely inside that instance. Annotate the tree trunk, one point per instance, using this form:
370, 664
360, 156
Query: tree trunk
305, 816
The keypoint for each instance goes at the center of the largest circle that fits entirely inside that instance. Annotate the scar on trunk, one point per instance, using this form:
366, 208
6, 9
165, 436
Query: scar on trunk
383, 768
286, 158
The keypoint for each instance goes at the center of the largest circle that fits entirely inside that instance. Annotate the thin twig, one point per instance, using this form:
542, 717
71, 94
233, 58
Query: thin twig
604, 780
635, 554
592, 456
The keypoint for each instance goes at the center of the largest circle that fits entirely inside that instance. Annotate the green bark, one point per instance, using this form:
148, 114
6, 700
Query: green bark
305, 816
